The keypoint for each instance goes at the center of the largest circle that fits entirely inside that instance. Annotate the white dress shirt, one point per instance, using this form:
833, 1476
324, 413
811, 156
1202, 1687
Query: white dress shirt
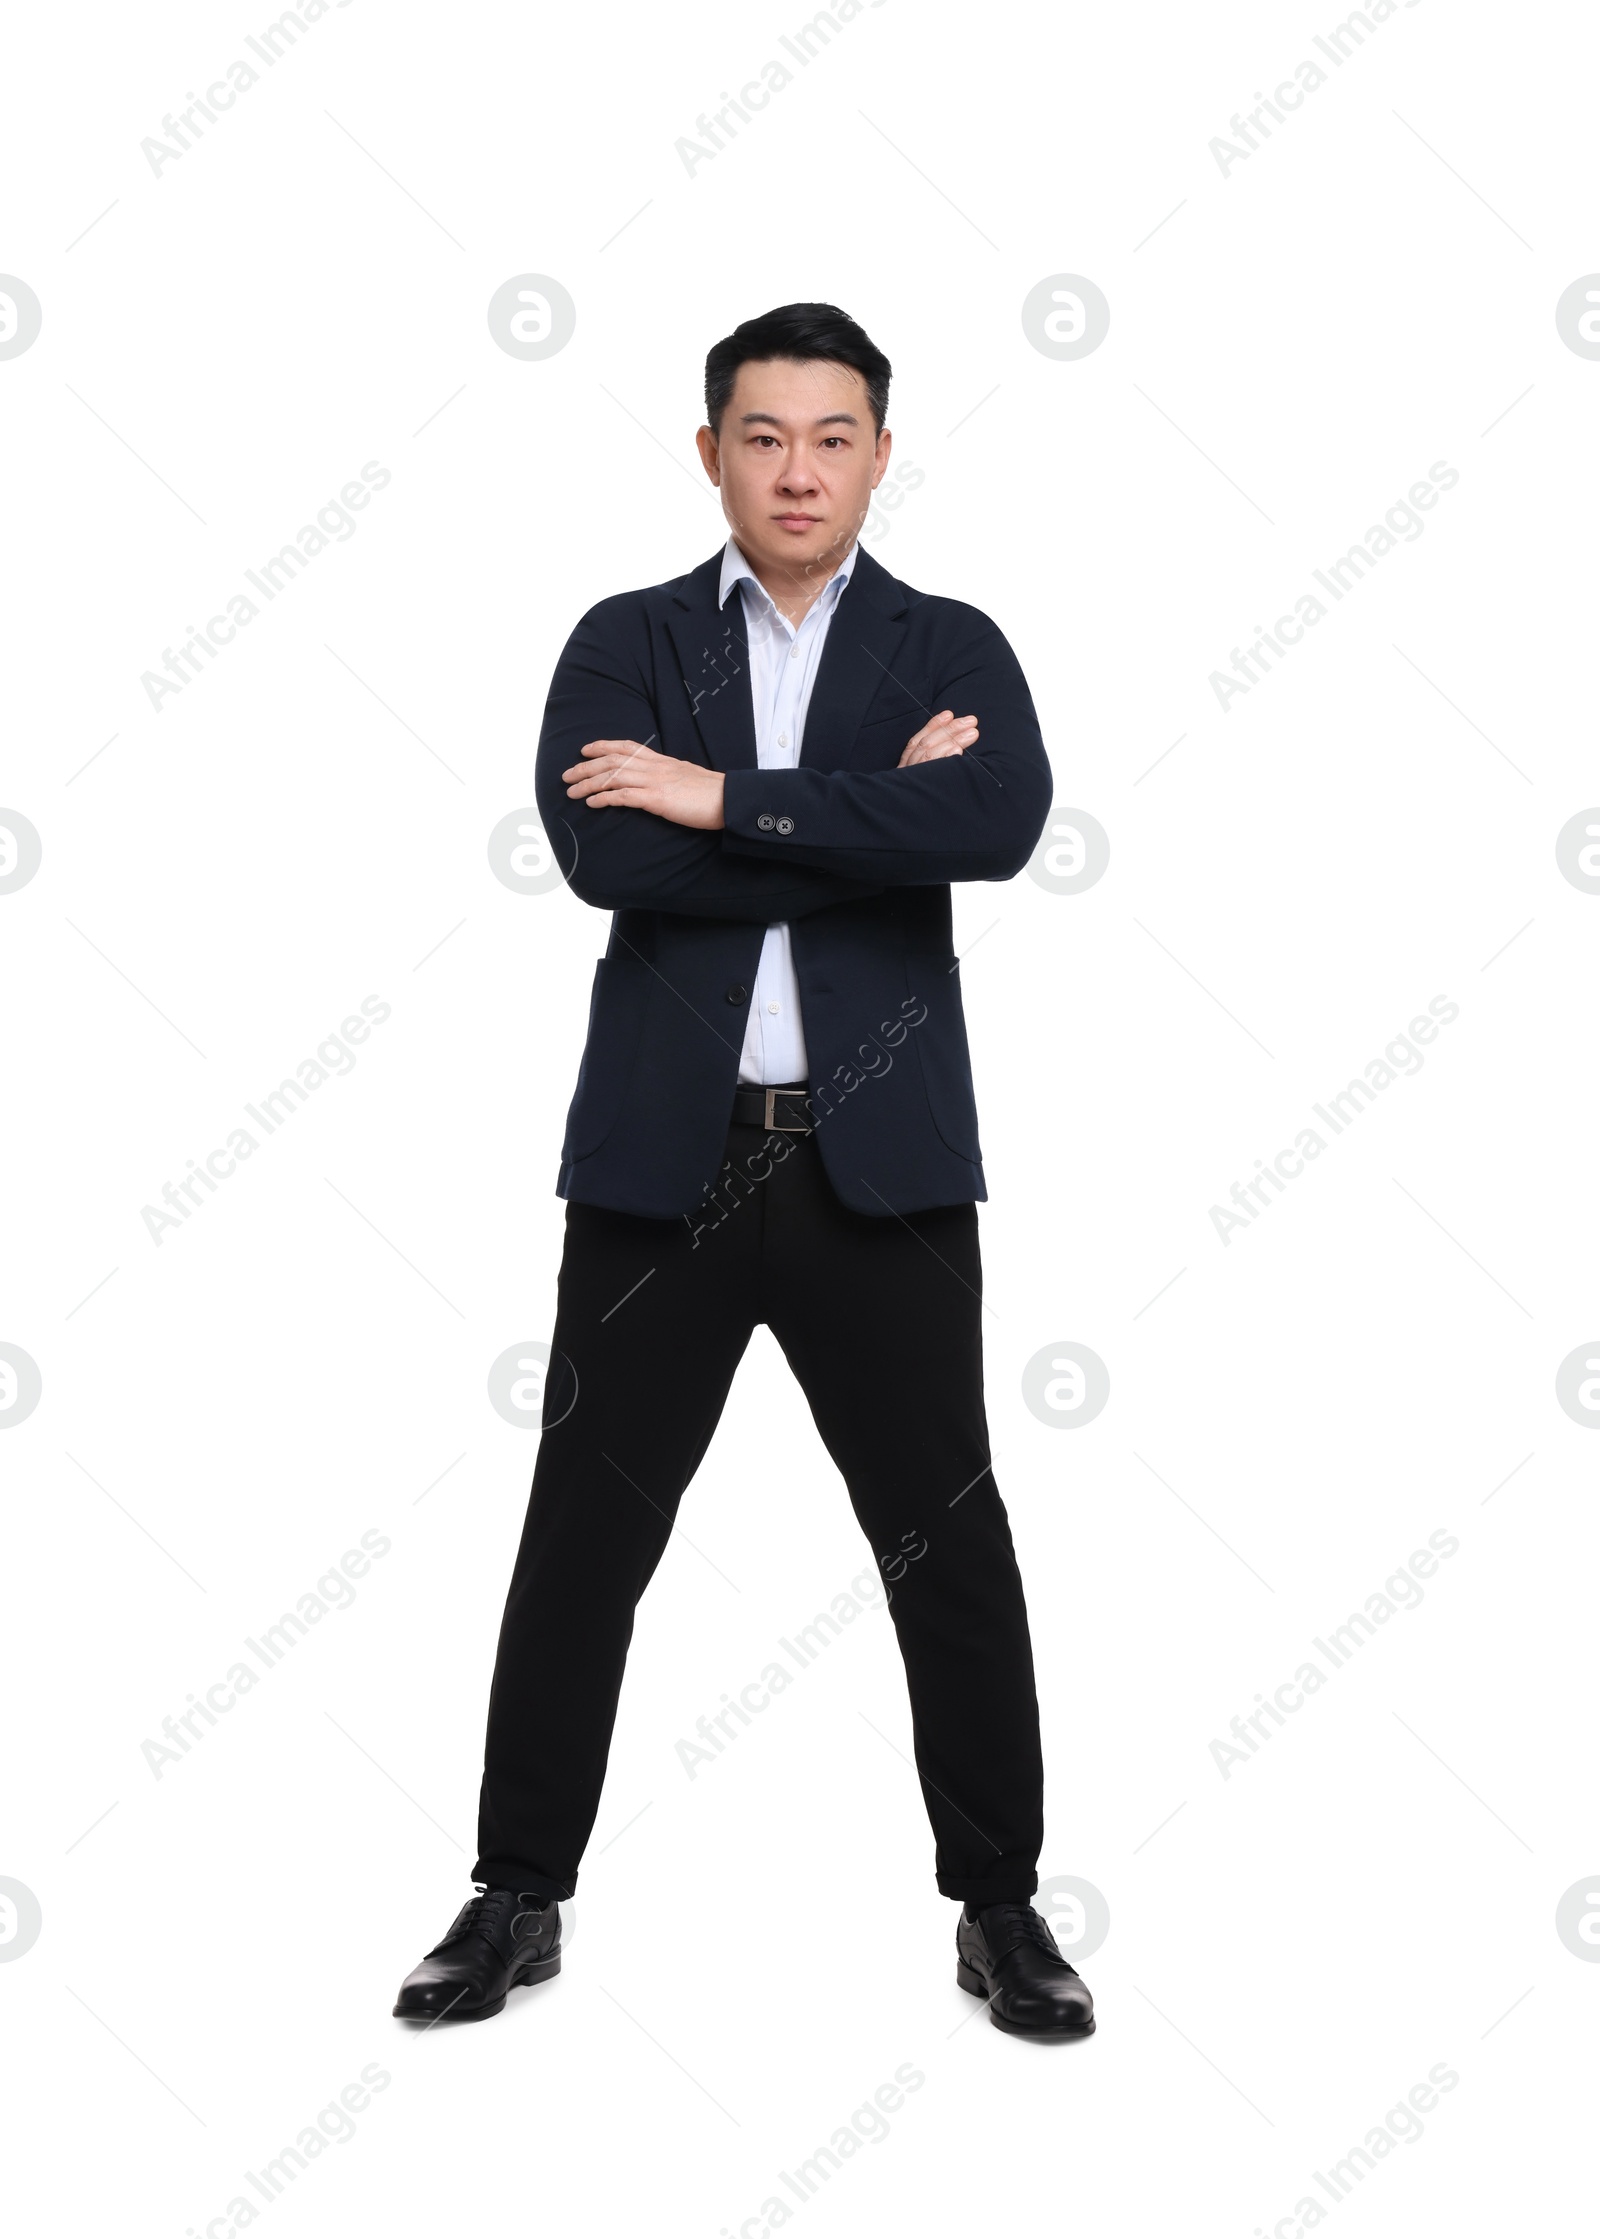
783, 667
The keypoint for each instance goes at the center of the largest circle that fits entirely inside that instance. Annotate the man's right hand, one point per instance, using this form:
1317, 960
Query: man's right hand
944, 733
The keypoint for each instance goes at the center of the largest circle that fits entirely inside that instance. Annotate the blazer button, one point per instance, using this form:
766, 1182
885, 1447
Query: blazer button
764, 823
784, 826
738, 994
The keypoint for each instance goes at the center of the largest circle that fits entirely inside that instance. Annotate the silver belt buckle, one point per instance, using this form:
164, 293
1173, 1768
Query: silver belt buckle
772, 1123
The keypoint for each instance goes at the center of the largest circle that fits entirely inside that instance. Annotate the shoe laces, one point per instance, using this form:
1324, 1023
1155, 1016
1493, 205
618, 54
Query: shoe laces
1014, 1922
482, 1912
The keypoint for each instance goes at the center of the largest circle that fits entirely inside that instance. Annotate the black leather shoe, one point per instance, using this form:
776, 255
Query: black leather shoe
497, 1940
1009, 1956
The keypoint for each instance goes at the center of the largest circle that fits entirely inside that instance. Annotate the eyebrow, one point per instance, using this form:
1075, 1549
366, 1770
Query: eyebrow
771, 419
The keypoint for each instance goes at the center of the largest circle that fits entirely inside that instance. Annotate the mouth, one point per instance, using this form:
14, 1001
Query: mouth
797, 520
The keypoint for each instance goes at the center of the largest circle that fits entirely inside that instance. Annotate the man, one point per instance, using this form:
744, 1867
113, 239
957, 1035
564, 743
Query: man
760, 770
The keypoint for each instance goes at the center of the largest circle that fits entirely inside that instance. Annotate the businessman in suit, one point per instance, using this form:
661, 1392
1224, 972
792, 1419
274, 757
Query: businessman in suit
769, 771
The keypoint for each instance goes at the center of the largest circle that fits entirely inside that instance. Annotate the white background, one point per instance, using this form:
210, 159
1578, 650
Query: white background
753, 1952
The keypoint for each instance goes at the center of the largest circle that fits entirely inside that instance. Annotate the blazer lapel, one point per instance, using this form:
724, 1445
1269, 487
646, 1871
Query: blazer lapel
714, 662
861, 654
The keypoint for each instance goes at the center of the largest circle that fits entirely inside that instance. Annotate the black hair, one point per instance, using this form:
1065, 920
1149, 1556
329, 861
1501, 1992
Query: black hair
803, 331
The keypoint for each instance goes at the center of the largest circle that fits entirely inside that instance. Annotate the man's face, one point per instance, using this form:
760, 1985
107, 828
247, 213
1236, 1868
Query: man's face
796, 461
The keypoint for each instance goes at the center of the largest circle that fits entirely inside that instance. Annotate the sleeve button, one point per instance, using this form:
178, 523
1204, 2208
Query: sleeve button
764, 823
784, 826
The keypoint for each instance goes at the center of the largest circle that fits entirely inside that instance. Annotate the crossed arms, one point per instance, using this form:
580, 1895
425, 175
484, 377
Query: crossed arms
966, 799
620, 773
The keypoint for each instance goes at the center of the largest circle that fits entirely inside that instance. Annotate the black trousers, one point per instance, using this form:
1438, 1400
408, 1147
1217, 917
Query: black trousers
880, 1321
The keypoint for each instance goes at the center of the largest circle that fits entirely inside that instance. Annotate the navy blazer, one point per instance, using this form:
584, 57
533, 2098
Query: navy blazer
854, 854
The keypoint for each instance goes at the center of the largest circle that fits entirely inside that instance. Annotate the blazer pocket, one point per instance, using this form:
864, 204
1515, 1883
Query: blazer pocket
881, 739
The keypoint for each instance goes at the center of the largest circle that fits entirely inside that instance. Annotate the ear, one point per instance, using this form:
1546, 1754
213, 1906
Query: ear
710, 455
880, 456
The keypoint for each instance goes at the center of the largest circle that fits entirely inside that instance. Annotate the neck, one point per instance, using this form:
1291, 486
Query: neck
794, 590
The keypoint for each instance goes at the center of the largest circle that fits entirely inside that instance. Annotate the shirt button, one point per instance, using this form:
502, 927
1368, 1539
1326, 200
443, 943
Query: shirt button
765, 823
783, 738
785, 825
794, 652
738, 993
773, 1009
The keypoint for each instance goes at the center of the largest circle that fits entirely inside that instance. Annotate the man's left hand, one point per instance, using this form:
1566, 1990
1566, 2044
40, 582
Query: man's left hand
620, 773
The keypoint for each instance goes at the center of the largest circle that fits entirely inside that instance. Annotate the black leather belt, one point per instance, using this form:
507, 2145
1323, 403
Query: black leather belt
782, 1108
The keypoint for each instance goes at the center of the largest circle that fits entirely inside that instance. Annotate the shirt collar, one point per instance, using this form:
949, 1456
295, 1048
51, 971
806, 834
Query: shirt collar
737, 569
